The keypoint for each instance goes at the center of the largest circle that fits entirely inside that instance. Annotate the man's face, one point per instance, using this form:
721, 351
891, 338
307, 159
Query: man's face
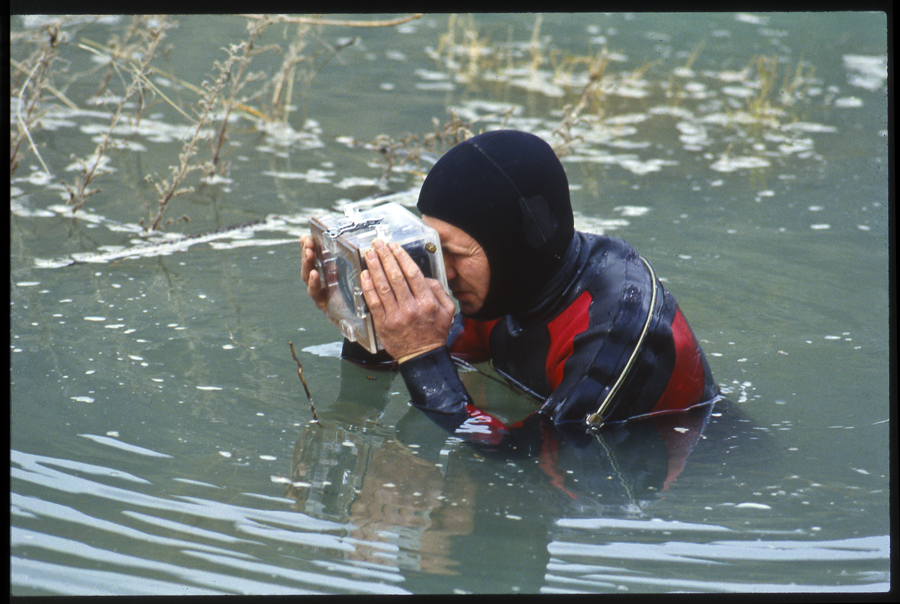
468, 272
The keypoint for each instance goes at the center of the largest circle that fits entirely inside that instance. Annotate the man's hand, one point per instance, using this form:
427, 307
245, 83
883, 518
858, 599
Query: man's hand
309, 274
412, 314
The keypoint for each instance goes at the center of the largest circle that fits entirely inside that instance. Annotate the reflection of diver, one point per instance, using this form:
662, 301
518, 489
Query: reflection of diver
415, 496
628, 465
536, 477
401, 508
329, 460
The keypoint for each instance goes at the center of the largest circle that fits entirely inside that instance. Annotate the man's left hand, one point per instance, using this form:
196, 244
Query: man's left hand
412, 314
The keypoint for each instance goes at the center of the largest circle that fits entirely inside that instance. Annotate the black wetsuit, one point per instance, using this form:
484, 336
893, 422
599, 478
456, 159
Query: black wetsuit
571, 347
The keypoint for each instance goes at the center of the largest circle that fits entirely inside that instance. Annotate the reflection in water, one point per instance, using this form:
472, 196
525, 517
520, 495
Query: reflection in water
416, 496
388, 494
563, 515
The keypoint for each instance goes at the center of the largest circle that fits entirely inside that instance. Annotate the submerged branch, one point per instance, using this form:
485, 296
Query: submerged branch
312, 406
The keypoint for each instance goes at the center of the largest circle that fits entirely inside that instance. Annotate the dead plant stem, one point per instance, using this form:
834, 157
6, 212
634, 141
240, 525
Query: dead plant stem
24, 126
338, 22
312, 405
80, 193
40, 72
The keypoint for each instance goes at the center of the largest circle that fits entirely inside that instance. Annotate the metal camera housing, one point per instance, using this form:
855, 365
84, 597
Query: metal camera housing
341, 244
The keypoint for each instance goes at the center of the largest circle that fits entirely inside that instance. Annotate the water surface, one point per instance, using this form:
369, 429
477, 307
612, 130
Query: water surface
161, 442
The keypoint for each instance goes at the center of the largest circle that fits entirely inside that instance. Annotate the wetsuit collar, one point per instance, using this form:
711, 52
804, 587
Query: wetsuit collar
558, 292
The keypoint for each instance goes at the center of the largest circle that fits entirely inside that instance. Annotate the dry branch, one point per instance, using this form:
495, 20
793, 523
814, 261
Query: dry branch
338, 22
312, 406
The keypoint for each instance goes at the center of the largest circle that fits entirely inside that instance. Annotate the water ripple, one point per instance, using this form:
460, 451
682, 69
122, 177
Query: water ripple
260, 543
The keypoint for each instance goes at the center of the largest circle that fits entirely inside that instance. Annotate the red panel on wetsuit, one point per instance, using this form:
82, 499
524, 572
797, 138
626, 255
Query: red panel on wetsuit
563, 329
473, 344
685, 387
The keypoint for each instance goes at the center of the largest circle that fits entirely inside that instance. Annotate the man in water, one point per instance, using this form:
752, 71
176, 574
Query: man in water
579, 321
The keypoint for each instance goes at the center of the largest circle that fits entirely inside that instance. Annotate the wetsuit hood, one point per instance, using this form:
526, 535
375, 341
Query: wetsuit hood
509, 192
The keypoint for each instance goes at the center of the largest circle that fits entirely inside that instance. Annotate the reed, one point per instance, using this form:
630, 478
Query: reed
590, 85
767, 75
26, 95
778, 96
234, 75
92, 167
466, 53
590, 97
130, 58
239, 86
405, 153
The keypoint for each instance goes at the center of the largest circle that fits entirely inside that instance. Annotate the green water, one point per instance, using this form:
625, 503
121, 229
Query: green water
161, 441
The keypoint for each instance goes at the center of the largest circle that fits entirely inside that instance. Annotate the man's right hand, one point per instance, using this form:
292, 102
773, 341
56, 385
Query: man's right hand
412, 314
309, 274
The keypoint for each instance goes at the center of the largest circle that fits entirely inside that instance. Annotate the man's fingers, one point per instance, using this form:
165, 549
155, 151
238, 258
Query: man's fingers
370, 293
394, 273
309, 274
394, 284
391, 266
315, 290
378, 282
415, 279
411, 314
308, 259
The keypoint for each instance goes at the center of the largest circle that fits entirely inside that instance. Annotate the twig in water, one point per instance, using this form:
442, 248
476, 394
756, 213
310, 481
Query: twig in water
312, 405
